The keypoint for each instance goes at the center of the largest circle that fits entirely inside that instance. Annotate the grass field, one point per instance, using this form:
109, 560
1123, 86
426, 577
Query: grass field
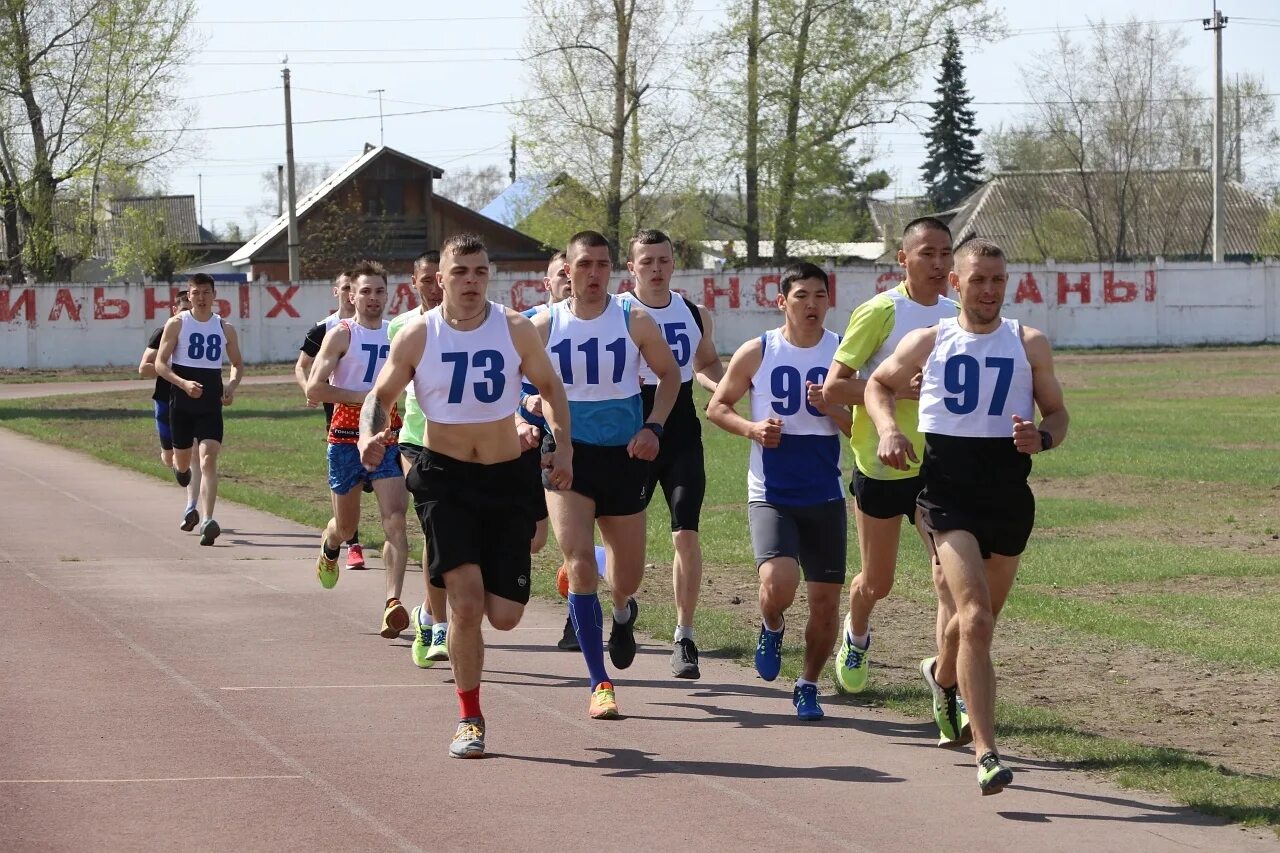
1140, 639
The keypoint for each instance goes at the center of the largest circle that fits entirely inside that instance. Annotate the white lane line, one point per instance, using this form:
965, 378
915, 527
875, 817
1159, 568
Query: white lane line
352, 807
329, 686
129, 781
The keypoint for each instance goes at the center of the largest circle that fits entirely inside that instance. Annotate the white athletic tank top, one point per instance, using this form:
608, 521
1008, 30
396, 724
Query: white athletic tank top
678, 328
974, 384
469, 377
805, 467
365, 355
200, 344
595, 359
908, 315
330, 321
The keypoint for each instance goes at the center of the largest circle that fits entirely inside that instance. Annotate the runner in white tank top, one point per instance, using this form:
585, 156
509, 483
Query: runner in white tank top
795, 507
473, 493
982, 376
349, 362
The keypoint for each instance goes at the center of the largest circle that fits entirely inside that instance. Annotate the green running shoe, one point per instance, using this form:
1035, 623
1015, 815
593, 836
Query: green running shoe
421, 641
992, 775
439, 643
327, 569
853, 665
948, 710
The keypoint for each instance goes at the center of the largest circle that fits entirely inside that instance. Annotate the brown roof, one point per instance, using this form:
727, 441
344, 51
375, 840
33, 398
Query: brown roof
1141, 214
177, 212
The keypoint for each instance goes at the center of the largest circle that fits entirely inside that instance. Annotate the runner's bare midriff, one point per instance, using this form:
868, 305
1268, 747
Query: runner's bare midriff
486, 443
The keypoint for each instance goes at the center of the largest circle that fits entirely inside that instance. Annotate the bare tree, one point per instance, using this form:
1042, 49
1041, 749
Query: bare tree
84, 84
605, 106
473, 188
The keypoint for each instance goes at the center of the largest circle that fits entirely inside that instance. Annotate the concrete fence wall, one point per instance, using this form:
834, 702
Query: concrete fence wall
85, 325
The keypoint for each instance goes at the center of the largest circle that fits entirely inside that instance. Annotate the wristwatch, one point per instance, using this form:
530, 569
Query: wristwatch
654, 428
1046, 440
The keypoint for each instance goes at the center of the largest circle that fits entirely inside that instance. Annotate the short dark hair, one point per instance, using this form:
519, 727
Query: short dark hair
373, 269
587, 240
979, 247
202, 278
340, 276
430, 256
921, 224
802, 270
463, 244
647, 237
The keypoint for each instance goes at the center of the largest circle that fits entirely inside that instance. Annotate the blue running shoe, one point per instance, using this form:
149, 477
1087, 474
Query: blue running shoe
769, 652
805, 698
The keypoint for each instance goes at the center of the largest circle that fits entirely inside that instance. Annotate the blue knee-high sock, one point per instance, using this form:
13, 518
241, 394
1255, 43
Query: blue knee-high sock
588, 624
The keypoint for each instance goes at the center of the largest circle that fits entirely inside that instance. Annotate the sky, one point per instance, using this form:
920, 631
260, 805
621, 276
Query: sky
430, 54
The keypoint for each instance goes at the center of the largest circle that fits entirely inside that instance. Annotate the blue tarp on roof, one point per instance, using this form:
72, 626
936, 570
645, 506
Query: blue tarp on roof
517, 201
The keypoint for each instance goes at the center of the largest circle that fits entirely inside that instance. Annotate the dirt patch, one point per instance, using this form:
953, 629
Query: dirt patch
1227, 716
1243, 518
1252, 372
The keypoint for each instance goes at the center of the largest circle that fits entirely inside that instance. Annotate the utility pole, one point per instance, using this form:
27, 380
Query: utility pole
381, 137
1216, 23
295, 262
279, 190
200, 184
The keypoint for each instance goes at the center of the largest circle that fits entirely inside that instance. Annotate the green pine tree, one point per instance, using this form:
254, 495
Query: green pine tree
954, 166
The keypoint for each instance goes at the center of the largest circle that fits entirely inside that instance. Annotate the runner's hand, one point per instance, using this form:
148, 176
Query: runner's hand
372, 448
895, 450
530, 436
193, 388
643, 445
559, 465
228, 397
1026, 437
768, 433
533, 405
816, 401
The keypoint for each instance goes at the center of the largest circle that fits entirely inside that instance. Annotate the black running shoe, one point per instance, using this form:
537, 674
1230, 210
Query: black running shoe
209, 531
190, 520
622, 639
684, 660
569, 642
183, 477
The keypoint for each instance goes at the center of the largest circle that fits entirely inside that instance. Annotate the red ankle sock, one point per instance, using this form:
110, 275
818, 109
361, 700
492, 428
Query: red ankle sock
469, 703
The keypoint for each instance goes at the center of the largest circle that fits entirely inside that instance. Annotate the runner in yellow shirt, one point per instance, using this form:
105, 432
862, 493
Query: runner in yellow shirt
884, 495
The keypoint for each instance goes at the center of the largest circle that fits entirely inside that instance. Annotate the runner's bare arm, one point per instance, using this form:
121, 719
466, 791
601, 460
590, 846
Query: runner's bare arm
1048, 396
318, 387
893, 376
732, 388
656, 352
147, 367
707, 366
536, 367
237, 363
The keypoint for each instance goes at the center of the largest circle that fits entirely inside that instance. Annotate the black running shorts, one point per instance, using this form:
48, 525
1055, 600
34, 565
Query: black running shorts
815, 536
609, 476
886, 498
680, 470
475, 513
531, 459
999, 517
185, 427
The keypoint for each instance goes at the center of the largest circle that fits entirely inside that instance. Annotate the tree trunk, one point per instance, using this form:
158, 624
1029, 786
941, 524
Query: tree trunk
790, 142
613, 193
752, 158
12, 243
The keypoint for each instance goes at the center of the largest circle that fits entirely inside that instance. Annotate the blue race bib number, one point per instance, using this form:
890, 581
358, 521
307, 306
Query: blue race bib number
590, 349
492, 380
205, 348
963, 379
789, 392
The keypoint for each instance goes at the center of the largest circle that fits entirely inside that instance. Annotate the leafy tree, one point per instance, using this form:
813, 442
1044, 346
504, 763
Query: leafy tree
141, 242
83, 81
954, 166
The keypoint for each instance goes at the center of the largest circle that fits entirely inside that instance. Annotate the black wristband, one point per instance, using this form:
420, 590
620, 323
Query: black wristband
654, 428
1046, 440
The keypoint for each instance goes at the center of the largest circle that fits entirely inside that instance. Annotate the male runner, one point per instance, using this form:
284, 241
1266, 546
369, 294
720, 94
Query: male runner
343, 374
795, 507
532, 427
883, 495
473, 494
430, 619
983, 378
679, 467
190, 358
596, 342
302, 371
160, 402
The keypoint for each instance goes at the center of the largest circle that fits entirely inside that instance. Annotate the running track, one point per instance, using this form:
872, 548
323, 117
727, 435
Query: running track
158, 695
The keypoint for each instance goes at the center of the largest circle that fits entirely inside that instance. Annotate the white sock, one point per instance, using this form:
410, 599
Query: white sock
424, 618
859, 640
441, 626
800, 682
765, 622
683, 632
621, 616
